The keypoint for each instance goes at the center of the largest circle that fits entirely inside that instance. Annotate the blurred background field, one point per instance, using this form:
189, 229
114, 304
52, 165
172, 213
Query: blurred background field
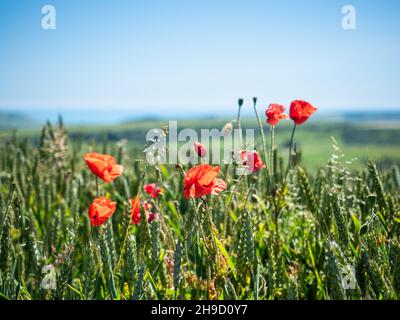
362, 136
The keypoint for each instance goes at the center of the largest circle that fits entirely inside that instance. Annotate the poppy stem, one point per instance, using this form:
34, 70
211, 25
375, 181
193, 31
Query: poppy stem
123, 247
208, 278
211, 251
260, 126
97, 187
240, 103
290, 152
227, 213
277, 235
128, 228
271, 161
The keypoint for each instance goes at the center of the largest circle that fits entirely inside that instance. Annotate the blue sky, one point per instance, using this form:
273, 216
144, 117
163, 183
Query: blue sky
149, 57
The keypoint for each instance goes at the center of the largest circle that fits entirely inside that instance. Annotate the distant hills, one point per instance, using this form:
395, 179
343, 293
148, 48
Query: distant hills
34, 118
14, 120
372, 115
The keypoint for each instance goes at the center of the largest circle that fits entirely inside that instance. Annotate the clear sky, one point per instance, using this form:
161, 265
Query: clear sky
149, 56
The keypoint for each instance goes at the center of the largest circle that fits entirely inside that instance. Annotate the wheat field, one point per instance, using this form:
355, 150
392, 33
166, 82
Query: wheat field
330, 233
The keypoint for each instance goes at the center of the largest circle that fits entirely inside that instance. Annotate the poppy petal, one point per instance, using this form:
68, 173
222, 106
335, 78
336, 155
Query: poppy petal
219, 185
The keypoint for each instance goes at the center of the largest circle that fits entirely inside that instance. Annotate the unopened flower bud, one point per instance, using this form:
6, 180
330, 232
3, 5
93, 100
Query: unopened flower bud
227, 129
200, 149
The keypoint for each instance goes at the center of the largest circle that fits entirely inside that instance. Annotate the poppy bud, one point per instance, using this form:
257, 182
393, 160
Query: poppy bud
152, 216
227, 129
200, 149
240, 102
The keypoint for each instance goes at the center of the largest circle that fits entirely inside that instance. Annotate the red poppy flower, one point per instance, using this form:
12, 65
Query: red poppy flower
202, 180
252, 161
200, 149
100, 210
135, 210
152, 189
300, 111
275, 114
104, 166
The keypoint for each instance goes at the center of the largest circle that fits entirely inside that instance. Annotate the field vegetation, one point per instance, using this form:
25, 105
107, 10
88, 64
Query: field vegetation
328, 228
